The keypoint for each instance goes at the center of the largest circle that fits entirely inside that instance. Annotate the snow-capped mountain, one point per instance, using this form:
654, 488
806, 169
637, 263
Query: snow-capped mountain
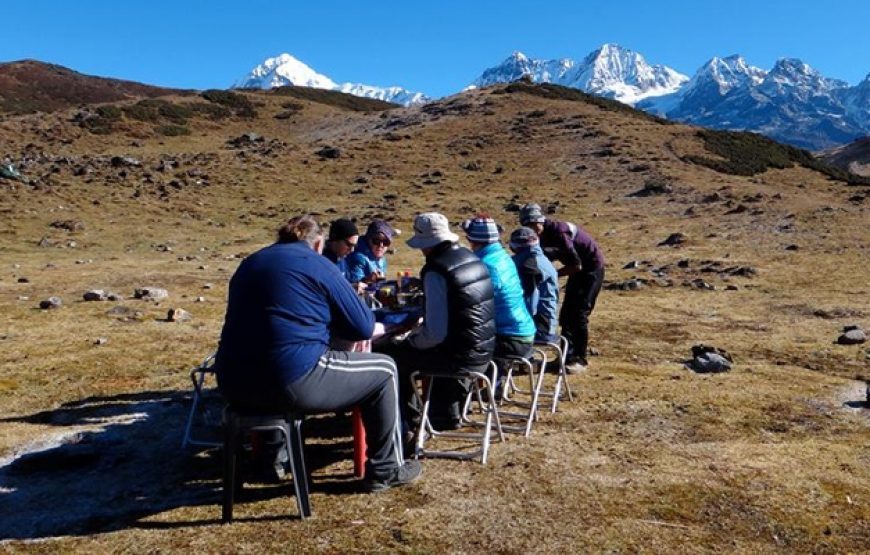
792, 103
286, 70
518, 65
611, 71
856, 101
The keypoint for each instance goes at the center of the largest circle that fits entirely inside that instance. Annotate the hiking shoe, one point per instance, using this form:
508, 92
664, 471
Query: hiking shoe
575, 365
405, 474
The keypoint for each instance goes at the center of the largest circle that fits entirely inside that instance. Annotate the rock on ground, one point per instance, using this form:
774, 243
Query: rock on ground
151, 293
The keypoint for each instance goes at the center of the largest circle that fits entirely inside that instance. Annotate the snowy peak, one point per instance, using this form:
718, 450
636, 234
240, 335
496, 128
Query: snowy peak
286, 70
791, 72
726, 74
623, 74
610, 70
518, 65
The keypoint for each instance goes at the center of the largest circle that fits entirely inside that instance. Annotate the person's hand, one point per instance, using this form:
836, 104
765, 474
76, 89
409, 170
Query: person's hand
360, 287
375, 276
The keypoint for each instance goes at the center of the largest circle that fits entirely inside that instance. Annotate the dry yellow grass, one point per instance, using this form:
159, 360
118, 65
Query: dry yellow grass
649, 458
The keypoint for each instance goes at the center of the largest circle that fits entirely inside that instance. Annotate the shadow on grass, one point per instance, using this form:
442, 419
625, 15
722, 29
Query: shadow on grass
117, 459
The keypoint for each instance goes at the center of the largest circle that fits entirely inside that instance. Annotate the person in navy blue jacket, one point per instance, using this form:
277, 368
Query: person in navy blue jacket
341, 242
285, 303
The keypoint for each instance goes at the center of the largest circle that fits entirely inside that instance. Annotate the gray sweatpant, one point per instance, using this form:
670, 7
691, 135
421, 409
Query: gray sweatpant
342, 380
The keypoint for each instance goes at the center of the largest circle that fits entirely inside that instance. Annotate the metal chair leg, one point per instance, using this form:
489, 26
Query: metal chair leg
296, 448
230, 458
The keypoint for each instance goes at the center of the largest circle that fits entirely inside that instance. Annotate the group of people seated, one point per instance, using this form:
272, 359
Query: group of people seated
288, 303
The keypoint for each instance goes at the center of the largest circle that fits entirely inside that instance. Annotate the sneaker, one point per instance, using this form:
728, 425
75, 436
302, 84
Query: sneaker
575, 365
405, 474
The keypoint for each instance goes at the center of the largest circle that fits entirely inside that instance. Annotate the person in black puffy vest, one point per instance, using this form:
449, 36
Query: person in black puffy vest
458, 330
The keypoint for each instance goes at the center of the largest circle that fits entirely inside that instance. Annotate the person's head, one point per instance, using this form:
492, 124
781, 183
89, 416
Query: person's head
302, 228
430, 230
343, 237
532, 217
523, 238
481, 231
379, 237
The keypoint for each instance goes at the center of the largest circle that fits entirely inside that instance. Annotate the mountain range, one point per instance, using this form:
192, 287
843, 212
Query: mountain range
792, 102
284, 70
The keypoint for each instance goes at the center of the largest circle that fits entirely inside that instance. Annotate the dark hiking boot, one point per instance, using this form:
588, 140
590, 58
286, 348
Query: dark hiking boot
405, 474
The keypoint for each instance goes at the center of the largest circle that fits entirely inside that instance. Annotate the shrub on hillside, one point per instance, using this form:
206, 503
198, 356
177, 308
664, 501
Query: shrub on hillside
238, 103
173, 130
174, 112
142, 112
109, 112
211, 111
334, 98
558, 92
745, 153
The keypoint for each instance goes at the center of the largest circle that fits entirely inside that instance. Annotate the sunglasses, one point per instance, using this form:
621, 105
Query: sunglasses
349, 244
380, 242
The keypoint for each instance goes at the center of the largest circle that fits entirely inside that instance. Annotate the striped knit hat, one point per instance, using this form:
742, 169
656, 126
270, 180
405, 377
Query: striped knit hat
531, 214
481, 230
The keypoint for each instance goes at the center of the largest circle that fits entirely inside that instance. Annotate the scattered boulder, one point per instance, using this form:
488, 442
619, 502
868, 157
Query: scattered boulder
246, 139
151, 293
627, 285
50, 303
673, 240
178, 315
700, 284
100, 341
742, 271
653, 187
329, 152
124, 161
707, 359
852, 335
68, 225
95, 295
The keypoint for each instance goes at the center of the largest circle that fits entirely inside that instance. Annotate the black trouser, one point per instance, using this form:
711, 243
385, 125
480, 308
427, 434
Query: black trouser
341, 380
581, 291
448, 396
510, 346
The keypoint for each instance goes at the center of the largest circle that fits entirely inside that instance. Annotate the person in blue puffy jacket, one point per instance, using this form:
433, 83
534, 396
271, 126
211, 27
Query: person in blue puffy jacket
515, 330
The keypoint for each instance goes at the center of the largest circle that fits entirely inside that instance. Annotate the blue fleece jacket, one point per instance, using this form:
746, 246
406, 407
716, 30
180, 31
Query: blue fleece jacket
540, 283
361, 262
511, 316
285, 301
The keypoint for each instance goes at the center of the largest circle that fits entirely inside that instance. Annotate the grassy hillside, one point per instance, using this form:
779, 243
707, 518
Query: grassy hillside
651, 457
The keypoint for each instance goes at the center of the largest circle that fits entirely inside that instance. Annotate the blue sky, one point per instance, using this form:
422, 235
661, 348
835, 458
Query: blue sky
436, 47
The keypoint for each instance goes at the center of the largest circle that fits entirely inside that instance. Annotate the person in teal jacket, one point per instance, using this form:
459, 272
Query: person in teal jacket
515, 329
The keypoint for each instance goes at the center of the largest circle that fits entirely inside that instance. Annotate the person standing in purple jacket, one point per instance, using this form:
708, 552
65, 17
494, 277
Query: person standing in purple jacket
583, 262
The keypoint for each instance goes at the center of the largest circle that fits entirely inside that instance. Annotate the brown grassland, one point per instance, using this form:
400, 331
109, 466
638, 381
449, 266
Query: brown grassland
650, 457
